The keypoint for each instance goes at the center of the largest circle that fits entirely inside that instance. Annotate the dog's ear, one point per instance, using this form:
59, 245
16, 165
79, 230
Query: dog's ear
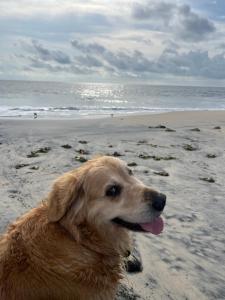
65, 192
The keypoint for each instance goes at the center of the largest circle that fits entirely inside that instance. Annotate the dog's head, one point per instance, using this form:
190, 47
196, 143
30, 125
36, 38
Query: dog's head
104, 192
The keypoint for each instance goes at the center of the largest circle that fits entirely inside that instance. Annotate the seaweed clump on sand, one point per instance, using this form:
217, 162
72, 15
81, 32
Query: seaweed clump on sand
66, 146
161, 173
195, 129
210, 155
189, 147
81, 159
34, 168
132, 164
82, 151
170, 130
117, 154
155, 157
19, 166
36, 153
160, 126
208, 179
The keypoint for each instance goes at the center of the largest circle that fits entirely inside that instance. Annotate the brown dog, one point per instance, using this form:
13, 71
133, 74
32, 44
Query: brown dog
72, 245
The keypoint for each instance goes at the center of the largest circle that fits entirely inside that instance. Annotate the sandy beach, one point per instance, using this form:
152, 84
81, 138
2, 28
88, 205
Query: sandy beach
181, 154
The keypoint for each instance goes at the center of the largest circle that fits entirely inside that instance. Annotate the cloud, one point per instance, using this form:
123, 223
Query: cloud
120, 60
153, 10
122, 38
36, 63
88, 48
28, 8
40, 56
89, 61
50, 55
190, 63
194, 27
100, 61
177, 19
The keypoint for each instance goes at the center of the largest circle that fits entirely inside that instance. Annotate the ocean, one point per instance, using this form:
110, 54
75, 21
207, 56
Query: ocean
67, 100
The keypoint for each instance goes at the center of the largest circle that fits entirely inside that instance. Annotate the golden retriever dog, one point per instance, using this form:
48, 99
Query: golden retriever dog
72, 246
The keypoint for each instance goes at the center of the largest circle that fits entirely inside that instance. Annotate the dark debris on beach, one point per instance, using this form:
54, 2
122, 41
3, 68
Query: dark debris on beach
207, 179
34, 168
81, 159
132, 164
36, 153
170, 130
142, 142
155, 157
189, 147
32, 154
66, 146
161, 173
117, 154
19, 166
160, 126
195, 129
83, 151
210, 155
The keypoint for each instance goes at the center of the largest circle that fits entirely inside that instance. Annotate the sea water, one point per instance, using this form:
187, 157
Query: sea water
73, 100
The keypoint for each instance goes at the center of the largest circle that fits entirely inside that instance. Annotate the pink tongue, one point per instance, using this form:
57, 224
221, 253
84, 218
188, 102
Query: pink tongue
155, 227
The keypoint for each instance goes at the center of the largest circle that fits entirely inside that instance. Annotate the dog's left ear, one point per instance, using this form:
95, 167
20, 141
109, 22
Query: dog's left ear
65, 192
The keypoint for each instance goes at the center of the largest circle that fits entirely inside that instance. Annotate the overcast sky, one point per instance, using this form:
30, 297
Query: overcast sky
167, 42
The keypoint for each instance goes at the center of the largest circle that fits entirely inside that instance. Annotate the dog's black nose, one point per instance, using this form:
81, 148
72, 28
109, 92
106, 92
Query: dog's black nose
159, 202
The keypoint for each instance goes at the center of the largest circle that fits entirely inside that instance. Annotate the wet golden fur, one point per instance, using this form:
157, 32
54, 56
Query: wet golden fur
68, 248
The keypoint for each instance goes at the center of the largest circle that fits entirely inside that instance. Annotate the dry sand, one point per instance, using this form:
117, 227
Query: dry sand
187, 260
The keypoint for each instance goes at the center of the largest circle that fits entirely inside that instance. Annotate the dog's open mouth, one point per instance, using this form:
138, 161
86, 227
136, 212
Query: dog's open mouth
154, 227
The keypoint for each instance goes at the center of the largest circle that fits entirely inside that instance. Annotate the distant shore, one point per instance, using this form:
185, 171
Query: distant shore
179, 153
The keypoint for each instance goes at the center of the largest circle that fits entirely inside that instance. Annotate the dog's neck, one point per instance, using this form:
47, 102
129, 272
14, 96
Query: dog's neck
108, 241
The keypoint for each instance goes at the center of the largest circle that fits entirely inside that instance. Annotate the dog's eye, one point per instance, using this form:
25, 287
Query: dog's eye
113, 190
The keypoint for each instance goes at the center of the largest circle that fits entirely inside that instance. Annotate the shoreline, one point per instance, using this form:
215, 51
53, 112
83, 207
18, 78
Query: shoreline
136, 122
103, 116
